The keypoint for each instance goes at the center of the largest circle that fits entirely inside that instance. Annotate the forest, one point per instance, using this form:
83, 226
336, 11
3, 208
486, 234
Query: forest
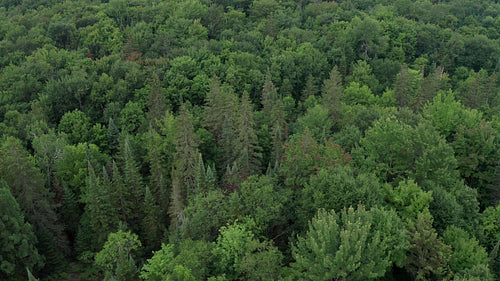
224, 140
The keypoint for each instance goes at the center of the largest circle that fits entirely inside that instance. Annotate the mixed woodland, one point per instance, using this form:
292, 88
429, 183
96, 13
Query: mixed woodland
250, 140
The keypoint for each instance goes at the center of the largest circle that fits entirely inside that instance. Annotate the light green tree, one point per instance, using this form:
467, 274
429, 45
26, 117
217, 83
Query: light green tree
350, 245
116, 256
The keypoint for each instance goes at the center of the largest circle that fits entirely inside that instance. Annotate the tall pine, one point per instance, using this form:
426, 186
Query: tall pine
246, 145
186, 155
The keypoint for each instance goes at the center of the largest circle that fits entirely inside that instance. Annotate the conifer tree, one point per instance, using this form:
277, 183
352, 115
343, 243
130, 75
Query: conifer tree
430, 86
220, 105
37, 203
246, 140
333, 92
186, 155
278, 132
355, 245
99, 206
134, 189
227, 149
405, 87
113, 136
269, 95
427, 255
17, 240
157, 104
176, 206
152, 227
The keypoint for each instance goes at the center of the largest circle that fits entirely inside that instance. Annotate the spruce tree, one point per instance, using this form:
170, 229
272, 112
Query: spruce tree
157, 104
113, 137
17, 240
152, 227
246, 144
333, 92
269, 95
134, 188
37, 203
186, 156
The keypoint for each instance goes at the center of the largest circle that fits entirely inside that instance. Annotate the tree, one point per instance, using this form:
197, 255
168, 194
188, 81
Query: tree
260, 199
246, 140
37, 203
17, 242
427, 255
152, 227
190, 260
342, 183
405, 87
332, 94
353, 245
408, 199
116, 256
318, 121
466, 251
101, 199
303, 157
239, 254
76, 125
186, 155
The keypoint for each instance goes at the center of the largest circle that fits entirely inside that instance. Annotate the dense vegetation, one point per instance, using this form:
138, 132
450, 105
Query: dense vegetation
250, 140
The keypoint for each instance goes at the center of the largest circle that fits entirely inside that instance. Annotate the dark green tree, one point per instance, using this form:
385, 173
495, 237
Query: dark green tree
186, 155
246, 140
18, 241
427, 255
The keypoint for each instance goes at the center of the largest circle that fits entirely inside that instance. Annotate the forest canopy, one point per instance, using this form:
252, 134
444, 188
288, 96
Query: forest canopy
250, 140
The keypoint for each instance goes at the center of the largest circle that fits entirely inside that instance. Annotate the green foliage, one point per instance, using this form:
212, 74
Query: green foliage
357, 244
303, 157
18, 250
260, 199
427, 255
467, 253
241, 255
189, 264
342, 183
116, 256
318, 121
408, 199
395, 151
179, 106
76, 125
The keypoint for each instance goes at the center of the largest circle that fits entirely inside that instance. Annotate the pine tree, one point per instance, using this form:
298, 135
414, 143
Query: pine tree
176, 207
17, 240
220, 105
186, 156
269, 95
405, 87
113, 137
134, 189
278, 131
355, 245
333, 92
152, 228
99, 207
310, 89
433, 83
246, 144
157, 104
427, 255
227, 150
